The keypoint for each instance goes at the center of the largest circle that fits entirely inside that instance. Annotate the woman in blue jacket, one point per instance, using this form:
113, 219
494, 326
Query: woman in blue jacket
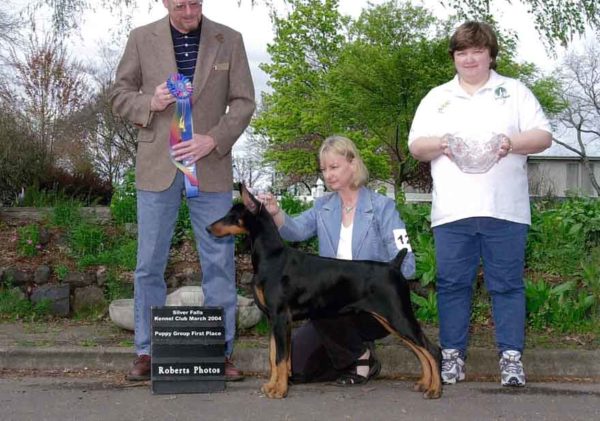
355, 223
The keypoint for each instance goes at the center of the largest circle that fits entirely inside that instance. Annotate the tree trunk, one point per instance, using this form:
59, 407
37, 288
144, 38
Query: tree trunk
591, 175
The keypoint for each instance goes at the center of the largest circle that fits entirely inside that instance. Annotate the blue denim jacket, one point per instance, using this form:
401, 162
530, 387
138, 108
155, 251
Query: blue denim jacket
375, 220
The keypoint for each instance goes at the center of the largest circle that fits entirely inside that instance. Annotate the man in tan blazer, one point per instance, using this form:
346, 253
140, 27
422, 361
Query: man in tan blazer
213, 57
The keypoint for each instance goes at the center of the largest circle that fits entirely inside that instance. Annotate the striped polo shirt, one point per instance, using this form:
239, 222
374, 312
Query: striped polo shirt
186, 51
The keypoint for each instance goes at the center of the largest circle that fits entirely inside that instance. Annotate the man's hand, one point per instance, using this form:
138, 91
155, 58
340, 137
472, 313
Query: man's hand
193, 150
162, 98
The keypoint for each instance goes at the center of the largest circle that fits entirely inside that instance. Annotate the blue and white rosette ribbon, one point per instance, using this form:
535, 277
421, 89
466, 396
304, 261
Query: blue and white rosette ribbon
182, 128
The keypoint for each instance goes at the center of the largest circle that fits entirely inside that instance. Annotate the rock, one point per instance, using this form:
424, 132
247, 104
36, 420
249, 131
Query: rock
90, 297
42, 274
58, 296
244, 301
101, 276
121, 313
131, 228
172, 282
186, 296
191, 277
16, 277
246, 278
79, 279
248, 313
18, 293
44, 236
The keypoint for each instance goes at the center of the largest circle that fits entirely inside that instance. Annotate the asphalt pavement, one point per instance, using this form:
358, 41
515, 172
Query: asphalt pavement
72, 370
105, 399
101, 345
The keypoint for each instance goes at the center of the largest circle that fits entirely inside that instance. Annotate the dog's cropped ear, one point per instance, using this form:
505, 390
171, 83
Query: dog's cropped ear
249, 201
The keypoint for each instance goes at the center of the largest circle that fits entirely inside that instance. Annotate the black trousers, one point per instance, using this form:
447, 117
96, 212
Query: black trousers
324, 349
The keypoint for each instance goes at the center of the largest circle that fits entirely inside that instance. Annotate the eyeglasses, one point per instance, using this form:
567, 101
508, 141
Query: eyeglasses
180, 7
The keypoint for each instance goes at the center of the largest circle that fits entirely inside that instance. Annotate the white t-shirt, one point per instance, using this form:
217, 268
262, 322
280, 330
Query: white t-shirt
344, 250
502, 105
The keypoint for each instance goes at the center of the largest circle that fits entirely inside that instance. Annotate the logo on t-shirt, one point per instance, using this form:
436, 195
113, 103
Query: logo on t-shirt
443, 106
500, 94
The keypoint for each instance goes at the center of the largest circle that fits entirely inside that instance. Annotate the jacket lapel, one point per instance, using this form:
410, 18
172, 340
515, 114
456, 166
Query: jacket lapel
332, 220
363, 218
210, 43
163, 46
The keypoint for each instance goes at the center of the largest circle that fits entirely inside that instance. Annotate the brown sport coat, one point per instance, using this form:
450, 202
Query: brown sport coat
222, 101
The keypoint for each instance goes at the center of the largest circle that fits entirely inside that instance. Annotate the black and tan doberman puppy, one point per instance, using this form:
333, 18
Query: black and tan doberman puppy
292, 285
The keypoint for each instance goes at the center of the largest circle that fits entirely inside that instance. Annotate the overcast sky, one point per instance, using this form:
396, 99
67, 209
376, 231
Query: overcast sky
255, 26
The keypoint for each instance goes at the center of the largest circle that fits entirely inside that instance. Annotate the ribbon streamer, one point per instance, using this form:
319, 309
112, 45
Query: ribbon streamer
182, 128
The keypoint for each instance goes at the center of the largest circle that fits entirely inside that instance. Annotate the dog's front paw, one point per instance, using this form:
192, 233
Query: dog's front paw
420, 387
274, 392
267, 388
433, 393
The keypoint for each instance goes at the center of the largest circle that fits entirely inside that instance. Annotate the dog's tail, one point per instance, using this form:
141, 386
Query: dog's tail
396, 265
397, 262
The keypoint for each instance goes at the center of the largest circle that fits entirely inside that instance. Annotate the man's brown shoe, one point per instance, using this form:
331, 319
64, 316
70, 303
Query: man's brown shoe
232, 373
141, 369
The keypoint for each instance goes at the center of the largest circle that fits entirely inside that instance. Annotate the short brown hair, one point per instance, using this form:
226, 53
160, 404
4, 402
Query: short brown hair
474, 34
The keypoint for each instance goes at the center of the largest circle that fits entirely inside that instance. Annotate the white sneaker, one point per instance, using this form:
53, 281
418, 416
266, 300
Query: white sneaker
511, 369
453, 366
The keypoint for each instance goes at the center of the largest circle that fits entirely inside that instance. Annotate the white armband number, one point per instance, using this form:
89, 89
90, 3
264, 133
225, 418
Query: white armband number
401, 239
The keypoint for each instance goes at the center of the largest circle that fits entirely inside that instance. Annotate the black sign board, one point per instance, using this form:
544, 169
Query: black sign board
188, 350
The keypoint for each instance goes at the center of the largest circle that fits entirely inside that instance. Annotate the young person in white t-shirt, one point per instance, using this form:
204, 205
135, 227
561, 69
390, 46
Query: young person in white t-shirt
480, 215
355, 223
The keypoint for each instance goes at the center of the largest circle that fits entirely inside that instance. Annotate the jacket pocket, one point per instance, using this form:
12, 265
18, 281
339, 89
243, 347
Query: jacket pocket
221, 66
145, 135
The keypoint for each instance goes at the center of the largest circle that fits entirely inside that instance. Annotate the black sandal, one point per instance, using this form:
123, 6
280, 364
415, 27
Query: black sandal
351, 378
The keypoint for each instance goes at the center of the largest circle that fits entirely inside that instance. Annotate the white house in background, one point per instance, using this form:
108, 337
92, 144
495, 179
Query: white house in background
549, 175
561, 175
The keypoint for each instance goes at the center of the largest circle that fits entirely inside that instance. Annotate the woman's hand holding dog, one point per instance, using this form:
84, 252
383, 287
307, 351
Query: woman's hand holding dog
271, 205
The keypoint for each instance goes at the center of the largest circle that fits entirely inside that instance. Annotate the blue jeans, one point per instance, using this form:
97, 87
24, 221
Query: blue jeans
157, 215
459, 248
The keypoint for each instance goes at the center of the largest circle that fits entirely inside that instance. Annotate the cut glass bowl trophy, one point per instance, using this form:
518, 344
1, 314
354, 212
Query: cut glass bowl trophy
472, 155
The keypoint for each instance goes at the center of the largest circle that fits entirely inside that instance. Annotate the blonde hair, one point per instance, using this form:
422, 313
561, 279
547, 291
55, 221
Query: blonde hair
345, 147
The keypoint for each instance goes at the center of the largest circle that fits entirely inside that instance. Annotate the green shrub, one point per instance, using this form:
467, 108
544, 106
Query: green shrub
86, 239
66, 213
120, 252
425, 307
28, 240
183, 226
294, 206
481, 307
561, 233
116, 289
418, 225
40, 198
262, 327
565, 306
425, 259
61, 272
123, 205
590, 278
90, 313
13, 306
